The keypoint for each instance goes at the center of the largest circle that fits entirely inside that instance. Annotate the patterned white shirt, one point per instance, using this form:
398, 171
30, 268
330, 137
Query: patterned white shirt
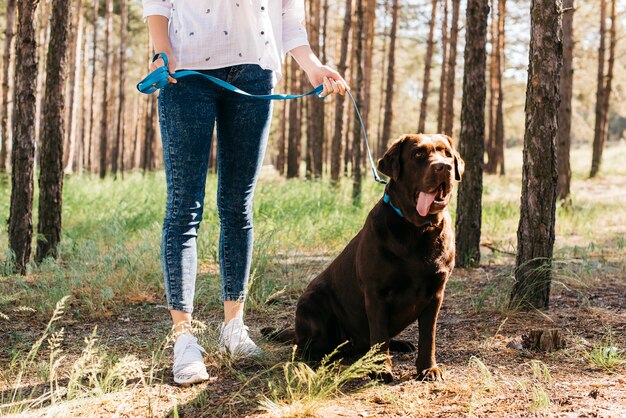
208, 34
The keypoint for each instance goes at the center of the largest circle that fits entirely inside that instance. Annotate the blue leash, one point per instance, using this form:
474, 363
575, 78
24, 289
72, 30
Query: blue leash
159, 78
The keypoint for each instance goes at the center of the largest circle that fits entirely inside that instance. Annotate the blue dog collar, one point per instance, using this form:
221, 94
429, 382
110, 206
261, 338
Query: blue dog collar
398, 211
387, 201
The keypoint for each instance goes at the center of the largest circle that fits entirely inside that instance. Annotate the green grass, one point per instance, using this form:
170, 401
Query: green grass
110, 249
110, 258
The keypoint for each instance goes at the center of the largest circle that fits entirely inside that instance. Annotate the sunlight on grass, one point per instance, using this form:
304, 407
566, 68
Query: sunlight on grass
300, 390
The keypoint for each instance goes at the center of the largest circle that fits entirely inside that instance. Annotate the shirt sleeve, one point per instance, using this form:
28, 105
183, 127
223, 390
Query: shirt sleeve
156, 7
294, 32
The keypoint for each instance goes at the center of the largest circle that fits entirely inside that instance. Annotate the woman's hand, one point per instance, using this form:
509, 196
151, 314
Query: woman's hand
158, 26
319, 73
171, 66
332, 81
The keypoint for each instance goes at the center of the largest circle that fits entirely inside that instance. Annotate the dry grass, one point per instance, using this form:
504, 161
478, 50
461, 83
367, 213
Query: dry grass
106, 350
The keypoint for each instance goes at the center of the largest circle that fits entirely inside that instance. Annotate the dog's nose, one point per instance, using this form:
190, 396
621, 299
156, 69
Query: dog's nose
439, 167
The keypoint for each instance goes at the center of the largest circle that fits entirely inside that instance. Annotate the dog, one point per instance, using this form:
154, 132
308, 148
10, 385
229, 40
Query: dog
394, 271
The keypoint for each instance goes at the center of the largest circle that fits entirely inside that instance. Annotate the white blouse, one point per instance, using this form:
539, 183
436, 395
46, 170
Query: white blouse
208, 34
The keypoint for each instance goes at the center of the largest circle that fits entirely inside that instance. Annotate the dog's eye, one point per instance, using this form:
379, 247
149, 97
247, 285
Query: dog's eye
448, 154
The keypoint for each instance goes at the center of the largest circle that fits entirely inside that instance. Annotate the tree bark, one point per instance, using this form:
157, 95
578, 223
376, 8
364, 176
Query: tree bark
53, 130
444, 68
94, 43
295, 130
23, 150
535, 234
427, 64
386, 134
358, 90
451, 72
282, 138
597, 133
490, 166
119, 140
335, 158
42, 26
315, 107
80, 156
72, 96
608, 86
9, 33
104, 131
472, 142
499, 134
565, 109
150, 134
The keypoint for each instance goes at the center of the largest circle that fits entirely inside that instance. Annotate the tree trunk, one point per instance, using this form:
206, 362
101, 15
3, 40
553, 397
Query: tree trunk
335, 158
391, 61
597, 134
80, 140
448, 125
315, 106
72, 96
104, 130
358, 90
535, 234
499, 134
295, 130
490, 166
53, 130
9, 32
608, 86
472, 142
444, 68
282, 138
378, 147
369, 22
150, 134
42, 25
23, 150
90, 140
119, 140
427, 64
565, 109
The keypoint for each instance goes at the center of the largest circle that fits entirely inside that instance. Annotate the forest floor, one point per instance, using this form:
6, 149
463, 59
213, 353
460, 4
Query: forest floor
105, 353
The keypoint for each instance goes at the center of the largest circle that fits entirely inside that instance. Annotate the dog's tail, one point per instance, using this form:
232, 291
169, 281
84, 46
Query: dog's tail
285, 336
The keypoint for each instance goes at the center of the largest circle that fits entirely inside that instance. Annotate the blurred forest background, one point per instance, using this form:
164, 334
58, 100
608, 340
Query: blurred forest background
110, 52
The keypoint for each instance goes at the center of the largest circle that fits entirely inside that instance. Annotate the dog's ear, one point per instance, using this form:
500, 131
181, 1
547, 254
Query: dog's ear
459, 165
389, 164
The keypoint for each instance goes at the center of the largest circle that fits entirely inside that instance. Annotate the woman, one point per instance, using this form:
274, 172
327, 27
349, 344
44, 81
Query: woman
242, 42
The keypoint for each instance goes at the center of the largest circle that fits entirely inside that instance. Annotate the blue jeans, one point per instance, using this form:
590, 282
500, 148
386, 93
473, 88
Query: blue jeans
188, 111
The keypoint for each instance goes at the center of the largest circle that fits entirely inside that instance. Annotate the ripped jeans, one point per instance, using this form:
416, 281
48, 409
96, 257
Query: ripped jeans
188, 111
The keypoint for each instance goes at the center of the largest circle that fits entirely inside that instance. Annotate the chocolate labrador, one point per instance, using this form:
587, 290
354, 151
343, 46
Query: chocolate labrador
395, 269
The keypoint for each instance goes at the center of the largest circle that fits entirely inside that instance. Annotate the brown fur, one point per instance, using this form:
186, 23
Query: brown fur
395, 269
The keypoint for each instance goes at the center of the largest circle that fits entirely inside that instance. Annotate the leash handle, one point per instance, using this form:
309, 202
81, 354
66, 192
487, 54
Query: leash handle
159, 78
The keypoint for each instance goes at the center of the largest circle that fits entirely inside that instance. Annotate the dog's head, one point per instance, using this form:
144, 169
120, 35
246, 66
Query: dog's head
422, 169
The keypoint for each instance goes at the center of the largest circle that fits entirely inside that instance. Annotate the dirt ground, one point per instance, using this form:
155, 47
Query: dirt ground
472, 325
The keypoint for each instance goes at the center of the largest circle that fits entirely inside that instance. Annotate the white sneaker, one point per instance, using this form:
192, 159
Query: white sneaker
234, 339
188, 361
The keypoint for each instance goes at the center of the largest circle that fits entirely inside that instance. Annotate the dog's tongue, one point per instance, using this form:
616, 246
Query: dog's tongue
424, 200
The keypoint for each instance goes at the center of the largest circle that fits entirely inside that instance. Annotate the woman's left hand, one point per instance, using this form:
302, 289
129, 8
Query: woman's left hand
332, 81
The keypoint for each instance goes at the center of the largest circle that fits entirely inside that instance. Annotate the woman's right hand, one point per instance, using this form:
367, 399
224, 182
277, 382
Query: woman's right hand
171, 66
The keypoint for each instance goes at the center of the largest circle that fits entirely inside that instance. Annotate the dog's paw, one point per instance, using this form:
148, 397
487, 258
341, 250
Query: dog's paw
402, 346
384, 376
431, 374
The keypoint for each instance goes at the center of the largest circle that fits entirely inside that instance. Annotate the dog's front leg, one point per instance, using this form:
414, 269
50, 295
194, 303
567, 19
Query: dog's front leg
378, 321
426, 363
